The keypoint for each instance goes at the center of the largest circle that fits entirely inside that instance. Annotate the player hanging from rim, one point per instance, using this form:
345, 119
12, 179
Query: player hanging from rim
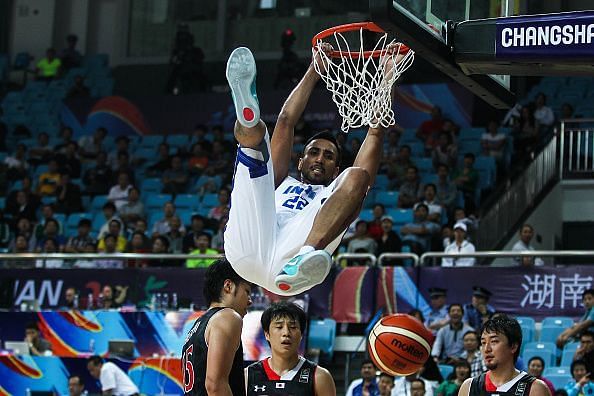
212, 355
285, 372
282, 231
501, 341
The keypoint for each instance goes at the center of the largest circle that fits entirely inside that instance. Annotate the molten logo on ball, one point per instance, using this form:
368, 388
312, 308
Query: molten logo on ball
407, 348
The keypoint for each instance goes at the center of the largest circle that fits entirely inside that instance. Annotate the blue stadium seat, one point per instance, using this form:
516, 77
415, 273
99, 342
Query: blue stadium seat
381, 182
561, 321
178, 140
98, 202
568, 353
98, 221
557, 370
526, 320
156, 201
550, 333
417, 149
187, 202
527, 333
470, 146
401, 216
185, 216
446, 370
322, 334
387, 198
151, 186
546, 355
424, 164
152, 141
71, 225
559, 380
409, 136
210, 200
366, 214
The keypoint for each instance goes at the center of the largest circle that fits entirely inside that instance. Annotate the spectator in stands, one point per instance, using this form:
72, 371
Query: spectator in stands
525, 132
19, 244
536, 366
461, 217
411, 190
223, 207
445, 151
523, 245
24, 228
419, 233
479, 310
114, 381
70, 56
458, 246
124, 166
27, 187
66, 135
472, 353
76, 386
175, 178
415, 313
162, 227
51, 231
78, 89
68, 196
391, 150
199, 158
543, 114
109, 213
220, 161
38, 346
108, 298
91, 145
467, 180
118, 194
70, 299
196, 227
110, 244
48, 67
389, 241
438, 315
585, 350
98, 178
161, 246
91, 248
385, 384
413, 385
585, 323
581, 383
493, 142
23, 207
451, 386
175, 236
47, 212
133, 209
49, 180
115, 229
446, 191
567, 112
42, 153
50, 245
374, 227
83, 238
218, 240
367, 384
202, 246
429, 129
122, 145
138, 244
17, 163
436, 211
68, 160
361, 241
162, 163
448, 345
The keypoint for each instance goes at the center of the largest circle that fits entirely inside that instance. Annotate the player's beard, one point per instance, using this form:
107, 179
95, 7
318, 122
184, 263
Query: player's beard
491, 366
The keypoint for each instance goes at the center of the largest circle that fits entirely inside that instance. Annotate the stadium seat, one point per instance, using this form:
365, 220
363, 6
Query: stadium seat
381, 182
98, 202
446, 370
366, 214
544, 354
408, 136
322, 334
559, 380
557, 370
151, 186
178, 141
473, 133
210, 200
527, 333
156, 201
401, 216
152, 141
526, 320
387, 198
560, 321
423, 164
568, 353
97, 223
185, 216
71, 225
417, 149
550, 333
186, 202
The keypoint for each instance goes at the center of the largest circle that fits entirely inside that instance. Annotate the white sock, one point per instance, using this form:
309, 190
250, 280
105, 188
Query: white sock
305, 249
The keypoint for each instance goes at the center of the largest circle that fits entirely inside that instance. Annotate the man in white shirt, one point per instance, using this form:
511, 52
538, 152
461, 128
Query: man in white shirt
114, 381
460, 245
118, 194
523, 245
543, 114
435, 209
410, 386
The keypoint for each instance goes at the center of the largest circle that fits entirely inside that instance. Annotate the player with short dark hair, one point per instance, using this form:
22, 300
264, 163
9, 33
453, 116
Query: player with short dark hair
501, 341
285, 372
212, 355
282, 231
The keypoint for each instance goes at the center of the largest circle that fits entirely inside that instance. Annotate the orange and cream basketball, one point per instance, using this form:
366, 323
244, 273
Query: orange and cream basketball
399, 344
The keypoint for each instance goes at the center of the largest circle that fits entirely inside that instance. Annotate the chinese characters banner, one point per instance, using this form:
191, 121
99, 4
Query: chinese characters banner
538, 292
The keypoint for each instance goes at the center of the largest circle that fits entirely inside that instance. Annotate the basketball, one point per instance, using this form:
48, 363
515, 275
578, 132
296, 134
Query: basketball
399, 344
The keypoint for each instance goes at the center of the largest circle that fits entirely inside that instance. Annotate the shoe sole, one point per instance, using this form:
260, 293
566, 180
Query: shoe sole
315, 269
241, 72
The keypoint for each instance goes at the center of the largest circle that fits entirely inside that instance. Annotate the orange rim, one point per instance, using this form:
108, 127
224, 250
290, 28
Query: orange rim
349, 27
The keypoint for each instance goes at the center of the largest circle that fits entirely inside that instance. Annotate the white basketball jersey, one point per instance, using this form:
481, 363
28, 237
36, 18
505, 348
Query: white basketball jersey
292, 196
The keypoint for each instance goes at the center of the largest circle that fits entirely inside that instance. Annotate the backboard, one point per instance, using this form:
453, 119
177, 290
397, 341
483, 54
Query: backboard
423, 25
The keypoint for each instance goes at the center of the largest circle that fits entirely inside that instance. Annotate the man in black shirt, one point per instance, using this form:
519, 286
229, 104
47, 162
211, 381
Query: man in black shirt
285, 372
212, 355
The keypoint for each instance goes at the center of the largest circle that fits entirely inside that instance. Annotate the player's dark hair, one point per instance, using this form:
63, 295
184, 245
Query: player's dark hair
283, 309
541, 360
586, 292
329, 136
96, 360
507, 326
215, 277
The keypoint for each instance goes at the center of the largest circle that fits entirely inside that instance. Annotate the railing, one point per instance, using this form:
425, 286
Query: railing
495, 254
577, 148
504, 214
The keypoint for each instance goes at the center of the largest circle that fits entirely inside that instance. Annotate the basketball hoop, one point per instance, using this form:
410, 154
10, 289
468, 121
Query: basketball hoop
361, 81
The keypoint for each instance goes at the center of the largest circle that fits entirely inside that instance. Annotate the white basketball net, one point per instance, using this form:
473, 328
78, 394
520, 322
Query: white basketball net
361, 87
